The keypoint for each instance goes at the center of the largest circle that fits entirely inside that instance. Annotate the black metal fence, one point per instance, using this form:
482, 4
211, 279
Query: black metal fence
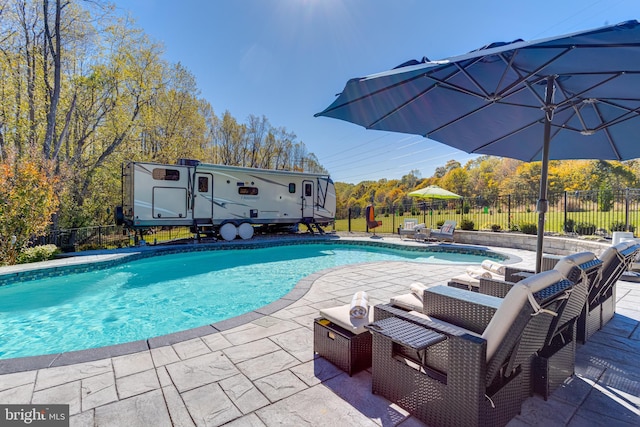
579, 212
111, 237
576, 212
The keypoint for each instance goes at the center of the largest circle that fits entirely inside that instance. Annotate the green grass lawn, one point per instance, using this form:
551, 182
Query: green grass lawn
483, 220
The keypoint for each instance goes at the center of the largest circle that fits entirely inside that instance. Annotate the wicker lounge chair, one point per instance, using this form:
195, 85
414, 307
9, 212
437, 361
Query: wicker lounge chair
445, 233
555, 362
470, 280
412, 229
601, 294
446, 374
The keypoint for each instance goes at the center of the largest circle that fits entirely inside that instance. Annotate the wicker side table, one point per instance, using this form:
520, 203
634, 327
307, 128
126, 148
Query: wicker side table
348, 351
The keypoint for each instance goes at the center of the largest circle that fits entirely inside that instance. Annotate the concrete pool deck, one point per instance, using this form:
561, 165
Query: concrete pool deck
263, 372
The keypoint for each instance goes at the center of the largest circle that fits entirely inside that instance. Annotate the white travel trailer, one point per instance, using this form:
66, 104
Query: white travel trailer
224, 200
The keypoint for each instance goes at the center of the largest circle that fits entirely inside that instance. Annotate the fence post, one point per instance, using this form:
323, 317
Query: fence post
565, 213
349, 221
393, 218
509, 211
626, 209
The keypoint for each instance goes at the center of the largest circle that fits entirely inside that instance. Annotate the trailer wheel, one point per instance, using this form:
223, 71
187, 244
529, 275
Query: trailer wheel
245, 231
228, 231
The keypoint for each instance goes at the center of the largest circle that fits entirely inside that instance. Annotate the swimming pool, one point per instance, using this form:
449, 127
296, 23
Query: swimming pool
164, 294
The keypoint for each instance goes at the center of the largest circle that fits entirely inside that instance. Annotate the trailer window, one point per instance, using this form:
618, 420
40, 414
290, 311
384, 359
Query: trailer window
292, 187
248, 191
166, 174
307, 190
203, 184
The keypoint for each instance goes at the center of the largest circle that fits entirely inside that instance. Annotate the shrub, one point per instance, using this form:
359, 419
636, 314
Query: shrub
621, 226
37, 253
528, 228
569, 226
491, 226
440, 223
466, 224
585, 228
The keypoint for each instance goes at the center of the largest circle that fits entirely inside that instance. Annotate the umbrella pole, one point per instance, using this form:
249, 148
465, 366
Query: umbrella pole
543, 203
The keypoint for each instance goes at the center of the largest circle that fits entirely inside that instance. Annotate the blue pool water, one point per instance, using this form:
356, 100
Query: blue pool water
169, 293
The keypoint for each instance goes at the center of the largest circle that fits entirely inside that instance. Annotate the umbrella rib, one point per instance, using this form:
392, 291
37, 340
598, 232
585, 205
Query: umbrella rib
523, 78
449, 86
463, 70
520, 129
368, 95
438, 83
606, 132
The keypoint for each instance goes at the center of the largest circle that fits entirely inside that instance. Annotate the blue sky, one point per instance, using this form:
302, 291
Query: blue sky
287, 59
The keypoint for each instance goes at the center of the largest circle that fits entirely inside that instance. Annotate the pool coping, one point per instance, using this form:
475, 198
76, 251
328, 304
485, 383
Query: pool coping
108, 258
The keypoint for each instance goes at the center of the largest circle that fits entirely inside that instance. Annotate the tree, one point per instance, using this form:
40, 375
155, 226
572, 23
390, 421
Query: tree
27, 201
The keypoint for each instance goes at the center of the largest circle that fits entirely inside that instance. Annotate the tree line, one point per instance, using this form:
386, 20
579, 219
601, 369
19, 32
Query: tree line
82, 90
488, 178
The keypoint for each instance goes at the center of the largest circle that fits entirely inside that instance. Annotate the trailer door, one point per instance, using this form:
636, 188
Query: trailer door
203, 197
308, 199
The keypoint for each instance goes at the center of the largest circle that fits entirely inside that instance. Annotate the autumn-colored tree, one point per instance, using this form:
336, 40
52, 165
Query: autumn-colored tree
27, 201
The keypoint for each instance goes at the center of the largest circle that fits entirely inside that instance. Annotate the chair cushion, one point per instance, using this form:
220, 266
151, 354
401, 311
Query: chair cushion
474, 281
625, 245
511, 306
566, 263
448, 228
408, 301
611, 253
340, 316
409, 225
465, 279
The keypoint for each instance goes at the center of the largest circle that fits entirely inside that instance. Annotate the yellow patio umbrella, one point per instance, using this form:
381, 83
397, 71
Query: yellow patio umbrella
434, 192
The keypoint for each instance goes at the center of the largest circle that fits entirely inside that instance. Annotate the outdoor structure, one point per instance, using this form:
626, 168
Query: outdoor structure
224, 200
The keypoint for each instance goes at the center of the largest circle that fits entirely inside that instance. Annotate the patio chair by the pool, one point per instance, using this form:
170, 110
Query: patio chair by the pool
470, 280
555, 362
412, 229
445, 233
372, 224
411, 301
601, 294
449, 375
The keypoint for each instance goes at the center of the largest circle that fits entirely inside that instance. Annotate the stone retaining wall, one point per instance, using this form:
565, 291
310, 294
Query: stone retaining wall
552, 245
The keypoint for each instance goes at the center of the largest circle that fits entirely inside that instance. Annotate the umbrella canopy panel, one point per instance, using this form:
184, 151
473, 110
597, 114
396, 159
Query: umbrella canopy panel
492, 101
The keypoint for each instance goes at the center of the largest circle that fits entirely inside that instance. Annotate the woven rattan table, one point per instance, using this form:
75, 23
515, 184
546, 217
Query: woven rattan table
348, 351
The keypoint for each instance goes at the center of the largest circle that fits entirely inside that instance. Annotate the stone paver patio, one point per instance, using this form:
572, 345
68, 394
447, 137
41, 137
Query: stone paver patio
263, 372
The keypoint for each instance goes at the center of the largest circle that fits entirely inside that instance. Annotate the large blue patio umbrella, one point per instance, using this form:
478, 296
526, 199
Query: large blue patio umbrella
570, 97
